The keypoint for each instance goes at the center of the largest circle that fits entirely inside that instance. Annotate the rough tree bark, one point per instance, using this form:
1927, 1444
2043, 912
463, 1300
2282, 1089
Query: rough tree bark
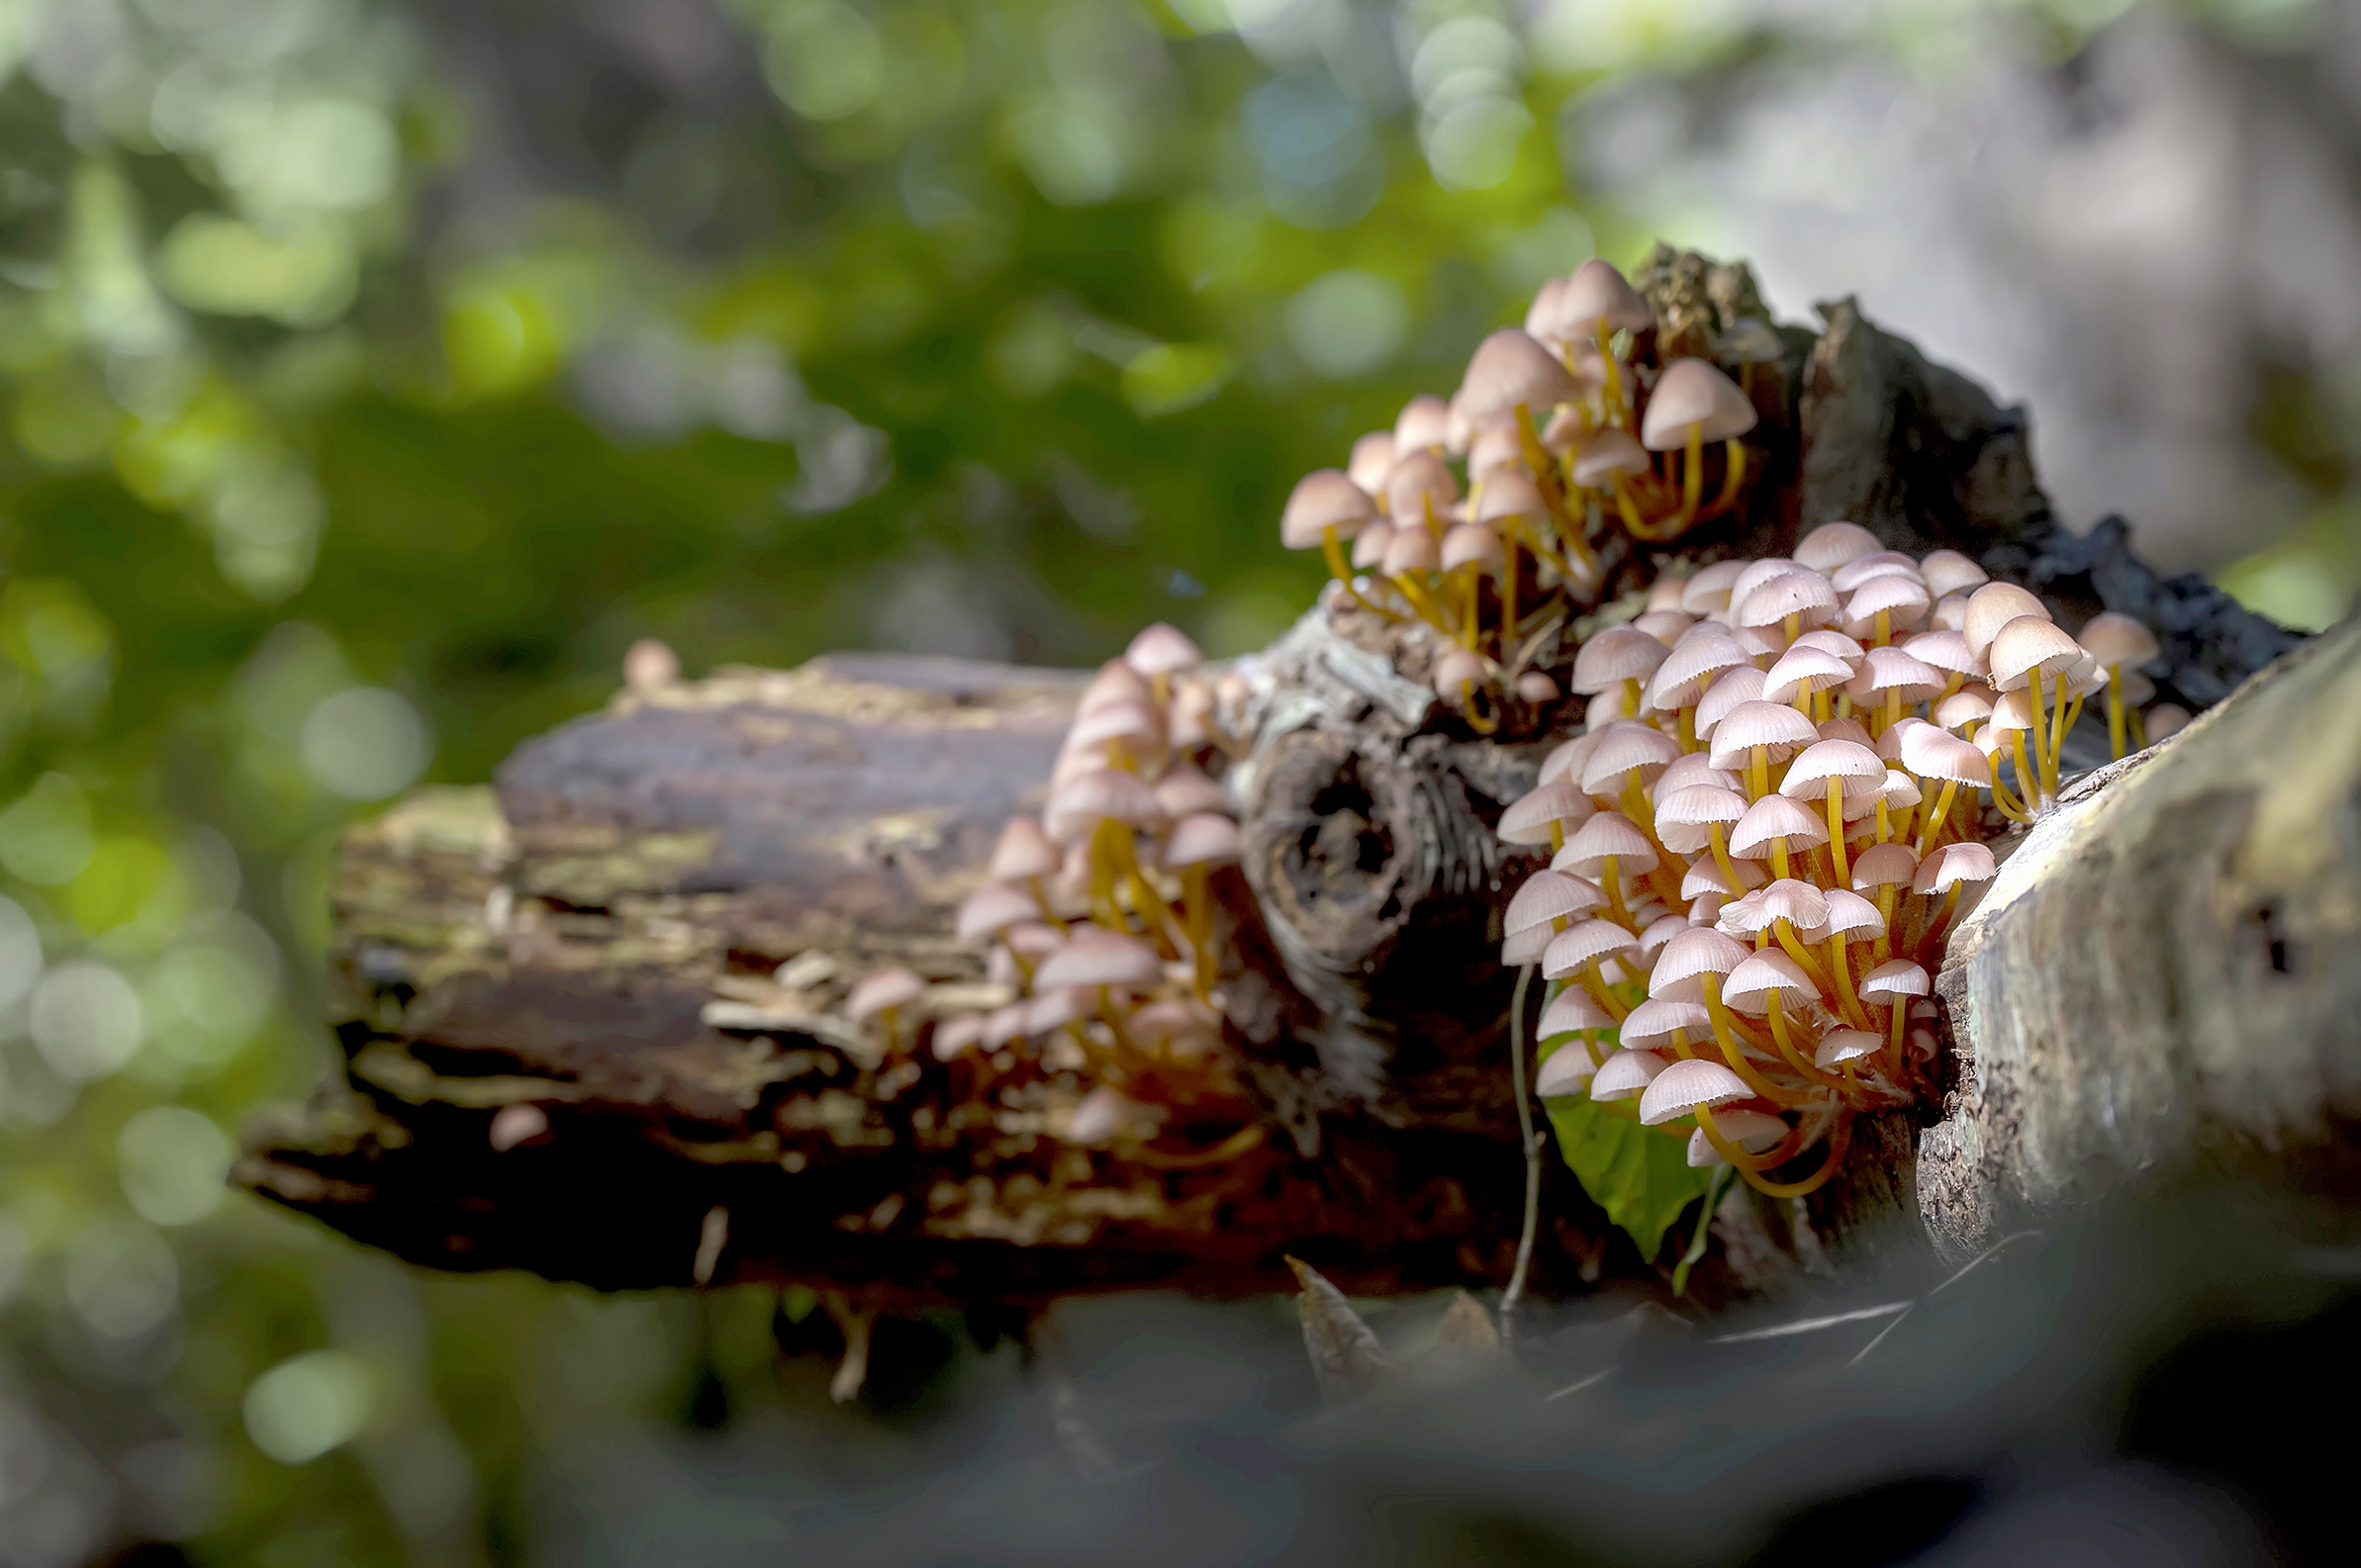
645, 930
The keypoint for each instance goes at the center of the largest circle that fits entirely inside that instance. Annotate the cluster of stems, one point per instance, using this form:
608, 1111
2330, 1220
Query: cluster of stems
1759, 844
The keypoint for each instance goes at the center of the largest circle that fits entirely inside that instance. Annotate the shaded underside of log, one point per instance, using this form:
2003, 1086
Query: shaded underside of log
649, 931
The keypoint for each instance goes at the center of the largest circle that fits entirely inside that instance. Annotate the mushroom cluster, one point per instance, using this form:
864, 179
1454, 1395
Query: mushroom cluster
1789, 773
1562, 429
1099, 920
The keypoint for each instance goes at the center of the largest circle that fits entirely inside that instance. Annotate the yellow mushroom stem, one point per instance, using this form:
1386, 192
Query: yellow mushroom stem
1630, 509
1408, 586
1242, 1141
1041, 897
1475, 721
2007, 803
1146, 901
1882, 629
1105, 868
1680, 1043
1885, 822
1688, 724
1884, 948
1930, 944
1725, 1035
1611, 883
1836, 830
1783, 932
1781, 1189
1778, 1154
1757, 773
1894, 1042
1733, 474
2115, 711
1342, 570
1611, 396
1600, 992
1777, 1013
1848, 1000
890, 1017
1780, 857
2028, 781
1692, 481
1713, 834
2139, 729
1471, 622
2040, 732
2065, 727
1893, 703
1197, 919
1935, 819
1508, 587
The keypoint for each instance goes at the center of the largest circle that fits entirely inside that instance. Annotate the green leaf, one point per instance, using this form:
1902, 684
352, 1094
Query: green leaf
1641, 1178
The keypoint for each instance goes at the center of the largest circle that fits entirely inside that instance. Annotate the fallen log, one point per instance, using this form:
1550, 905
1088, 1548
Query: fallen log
593, 1017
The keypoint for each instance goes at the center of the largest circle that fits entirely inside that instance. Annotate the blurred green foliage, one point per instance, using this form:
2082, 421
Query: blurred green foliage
376, 374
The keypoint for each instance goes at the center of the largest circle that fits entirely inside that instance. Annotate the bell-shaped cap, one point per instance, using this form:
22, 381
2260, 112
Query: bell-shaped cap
1551, 895
1707, 593
1682, 1087
881, 989
1775, 819
1204, 838
1606, 835
1423, 425
1371, 460
1023, 852
1724, 694
1774, 726
1604, 454
1098, 956
1693, 394
1835, 544
1949, 572
1901, 977
1417, 482
1616, 655
1573, 1012
1622, 748
1323, 500
1884, 866
1840, 1046
2029, 643
1528, 818
1806, 596
1509, 492
1952, 866
1473, 544
1626, 1073
1993, 607
1510, 370
991, 910
1567, 1070
1596, 293
1653, 1023
1577, 946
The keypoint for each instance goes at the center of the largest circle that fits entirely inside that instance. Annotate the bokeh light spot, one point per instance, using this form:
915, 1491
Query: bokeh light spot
86, 1019
364, 743
174, 1161
1348, 322
311, 1404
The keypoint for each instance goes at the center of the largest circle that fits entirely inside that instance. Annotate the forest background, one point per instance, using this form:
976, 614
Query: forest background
376, 373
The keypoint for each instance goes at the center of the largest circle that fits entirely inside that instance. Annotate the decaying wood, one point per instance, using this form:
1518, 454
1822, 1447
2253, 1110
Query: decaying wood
649, 930
2166, 975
